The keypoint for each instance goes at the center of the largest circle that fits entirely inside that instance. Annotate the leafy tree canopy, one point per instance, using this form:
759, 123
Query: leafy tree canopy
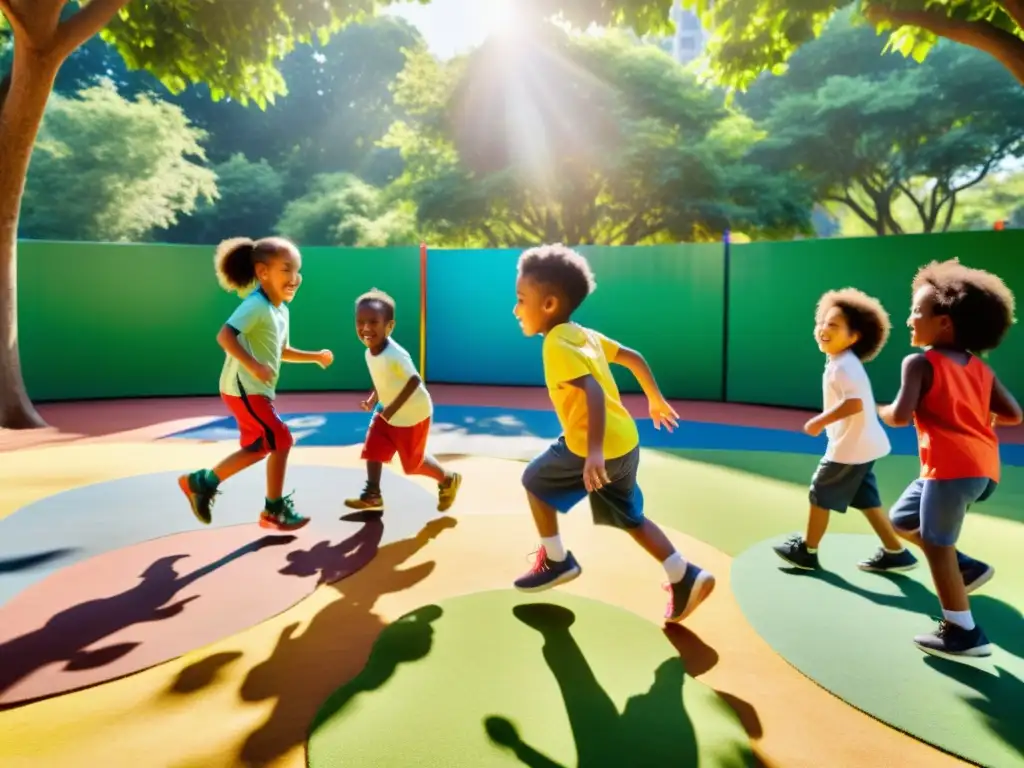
754, 36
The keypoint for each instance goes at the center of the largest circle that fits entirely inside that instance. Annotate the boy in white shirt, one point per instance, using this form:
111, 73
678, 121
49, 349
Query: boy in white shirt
850, 328
402, 408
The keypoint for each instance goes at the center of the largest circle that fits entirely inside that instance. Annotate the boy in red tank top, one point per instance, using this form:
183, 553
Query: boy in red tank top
955, 401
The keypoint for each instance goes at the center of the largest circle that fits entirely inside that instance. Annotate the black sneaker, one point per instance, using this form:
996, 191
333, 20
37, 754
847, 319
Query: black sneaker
794, 551
200, 498
975, 573
695, 587
547, 573
951, 641
889, 562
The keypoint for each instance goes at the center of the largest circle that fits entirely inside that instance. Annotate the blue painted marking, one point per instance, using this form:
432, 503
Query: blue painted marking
349, 428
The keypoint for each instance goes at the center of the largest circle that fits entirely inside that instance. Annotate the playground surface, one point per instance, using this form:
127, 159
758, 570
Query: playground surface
130, 635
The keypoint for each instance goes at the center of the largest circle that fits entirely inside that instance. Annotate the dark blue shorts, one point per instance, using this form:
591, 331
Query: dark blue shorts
556, 478
937, 508
837, 486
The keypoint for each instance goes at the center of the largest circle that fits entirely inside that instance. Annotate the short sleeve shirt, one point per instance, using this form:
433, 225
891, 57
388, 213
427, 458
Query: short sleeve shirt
571, 352
263, 332
860, 438
390, 371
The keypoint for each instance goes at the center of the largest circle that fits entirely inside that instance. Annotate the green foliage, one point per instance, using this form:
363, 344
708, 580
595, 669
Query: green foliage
251, 194
755, 36
105, 168
340, 209
870, 137
586, 139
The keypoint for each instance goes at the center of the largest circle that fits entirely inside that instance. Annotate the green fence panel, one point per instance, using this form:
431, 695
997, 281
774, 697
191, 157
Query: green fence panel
667, 302
774, 287
102, 321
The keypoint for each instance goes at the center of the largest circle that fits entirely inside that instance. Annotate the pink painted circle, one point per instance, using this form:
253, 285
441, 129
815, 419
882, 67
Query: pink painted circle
124, 611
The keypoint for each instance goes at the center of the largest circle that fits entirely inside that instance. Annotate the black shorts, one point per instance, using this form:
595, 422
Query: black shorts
838, 486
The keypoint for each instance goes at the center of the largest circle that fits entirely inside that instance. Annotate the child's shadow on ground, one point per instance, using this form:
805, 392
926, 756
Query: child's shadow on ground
308, 666
1000, 699
1002, 622
67, 635
653, 730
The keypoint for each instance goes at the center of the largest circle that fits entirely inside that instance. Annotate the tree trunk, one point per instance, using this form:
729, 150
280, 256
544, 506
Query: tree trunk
21, 113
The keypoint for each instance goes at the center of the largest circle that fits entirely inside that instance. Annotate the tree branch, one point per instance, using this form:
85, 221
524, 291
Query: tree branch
1006, 48
853, 205
905, 189
17, 25
1015, 9
84, 24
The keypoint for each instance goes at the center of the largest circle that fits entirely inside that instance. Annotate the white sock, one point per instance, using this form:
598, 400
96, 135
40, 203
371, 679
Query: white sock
960, 618
675, 567
553, 548
894, 551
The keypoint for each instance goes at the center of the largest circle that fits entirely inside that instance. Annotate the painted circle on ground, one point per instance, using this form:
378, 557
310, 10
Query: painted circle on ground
75, 525
127, 610
851, 632
499, 678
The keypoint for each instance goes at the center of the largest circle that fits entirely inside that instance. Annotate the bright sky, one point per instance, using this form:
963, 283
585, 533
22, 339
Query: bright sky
451, 27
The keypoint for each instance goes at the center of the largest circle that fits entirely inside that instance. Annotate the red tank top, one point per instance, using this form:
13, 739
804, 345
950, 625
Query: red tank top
954, 429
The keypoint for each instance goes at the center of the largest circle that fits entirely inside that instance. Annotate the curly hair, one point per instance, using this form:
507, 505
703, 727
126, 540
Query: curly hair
379, 301
235, 260
864, 315
561, 268
978, 303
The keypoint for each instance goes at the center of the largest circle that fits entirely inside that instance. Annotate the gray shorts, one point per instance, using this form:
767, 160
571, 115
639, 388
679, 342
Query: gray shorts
556, 478
937, 508
837, 486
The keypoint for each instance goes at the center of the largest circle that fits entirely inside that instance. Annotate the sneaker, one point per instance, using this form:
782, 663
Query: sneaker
688, 593
547, 573
284, 519
794, 551
370, 500
199, 497
951, 641
447, 491
975, 573
889, 562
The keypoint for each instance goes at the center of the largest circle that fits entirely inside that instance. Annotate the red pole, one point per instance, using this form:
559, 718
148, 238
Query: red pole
423, 312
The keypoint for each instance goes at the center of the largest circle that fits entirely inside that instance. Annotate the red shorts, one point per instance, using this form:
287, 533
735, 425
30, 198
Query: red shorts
262, 430
384, 440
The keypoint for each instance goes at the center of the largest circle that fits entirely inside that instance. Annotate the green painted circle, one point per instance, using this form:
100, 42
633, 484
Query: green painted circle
851, 632
503, 679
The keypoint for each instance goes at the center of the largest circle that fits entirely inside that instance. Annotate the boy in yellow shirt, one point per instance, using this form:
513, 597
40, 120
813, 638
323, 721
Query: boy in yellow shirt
599, 453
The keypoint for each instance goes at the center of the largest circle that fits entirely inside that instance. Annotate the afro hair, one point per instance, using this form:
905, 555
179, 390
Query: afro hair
379, 301
978, 303
561, 268
864, 315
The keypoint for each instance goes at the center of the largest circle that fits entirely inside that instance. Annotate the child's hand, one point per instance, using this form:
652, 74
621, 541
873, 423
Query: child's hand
263, 373
594, 474
885, 413
324, 358
367, 405
663, 414
813, 427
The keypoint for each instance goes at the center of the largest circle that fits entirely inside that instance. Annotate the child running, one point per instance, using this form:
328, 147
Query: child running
599, 452
256, 342
851, 328
955, 401
402, 405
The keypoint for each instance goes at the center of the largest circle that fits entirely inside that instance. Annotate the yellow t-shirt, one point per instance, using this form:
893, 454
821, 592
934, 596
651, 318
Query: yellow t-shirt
570, 352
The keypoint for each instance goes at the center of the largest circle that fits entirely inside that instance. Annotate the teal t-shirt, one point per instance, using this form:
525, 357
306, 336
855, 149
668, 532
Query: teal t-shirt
263, 333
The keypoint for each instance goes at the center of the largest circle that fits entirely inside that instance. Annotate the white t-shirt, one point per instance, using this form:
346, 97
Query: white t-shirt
860, 438
390, 371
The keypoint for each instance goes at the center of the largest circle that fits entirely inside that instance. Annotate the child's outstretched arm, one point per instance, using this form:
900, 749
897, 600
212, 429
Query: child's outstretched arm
916, 378
594, 474
323, 358
1005, 408
661, 411
228, 340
